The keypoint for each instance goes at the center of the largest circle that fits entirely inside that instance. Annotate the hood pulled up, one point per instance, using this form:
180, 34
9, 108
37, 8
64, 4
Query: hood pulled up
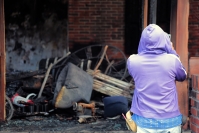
154, 41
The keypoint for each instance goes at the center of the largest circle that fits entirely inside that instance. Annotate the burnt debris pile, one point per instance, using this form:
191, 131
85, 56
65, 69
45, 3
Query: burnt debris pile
84, 86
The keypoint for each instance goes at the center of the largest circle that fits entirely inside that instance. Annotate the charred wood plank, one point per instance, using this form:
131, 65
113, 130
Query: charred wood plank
107, 79
10, 78
110, 90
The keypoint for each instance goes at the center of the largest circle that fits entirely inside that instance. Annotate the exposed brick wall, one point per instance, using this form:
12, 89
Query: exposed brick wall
193, 49
96, 22
193, 43
194, 102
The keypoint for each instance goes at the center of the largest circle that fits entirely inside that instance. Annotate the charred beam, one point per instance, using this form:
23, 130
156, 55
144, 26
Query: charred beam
11, 78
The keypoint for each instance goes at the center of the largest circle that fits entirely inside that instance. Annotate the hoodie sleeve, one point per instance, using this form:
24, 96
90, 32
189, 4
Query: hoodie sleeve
129, 60
181, 73
174, 53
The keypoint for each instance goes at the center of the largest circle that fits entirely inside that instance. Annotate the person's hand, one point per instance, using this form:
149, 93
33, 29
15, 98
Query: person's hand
172, 46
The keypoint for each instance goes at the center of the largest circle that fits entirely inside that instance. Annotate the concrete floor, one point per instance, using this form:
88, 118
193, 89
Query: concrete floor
55, 124
188, 131
81, 131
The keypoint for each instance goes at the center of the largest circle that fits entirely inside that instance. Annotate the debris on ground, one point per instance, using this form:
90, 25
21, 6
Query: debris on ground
70, 92
54, 124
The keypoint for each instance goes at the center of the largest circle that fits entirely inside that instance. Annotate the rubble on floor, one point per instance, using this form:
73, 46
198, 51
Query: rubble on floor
56, 123
35, 99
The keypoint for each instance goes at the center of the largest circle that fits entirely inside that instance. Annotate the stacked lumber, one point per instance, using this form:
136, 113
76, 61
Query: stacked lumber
110, 85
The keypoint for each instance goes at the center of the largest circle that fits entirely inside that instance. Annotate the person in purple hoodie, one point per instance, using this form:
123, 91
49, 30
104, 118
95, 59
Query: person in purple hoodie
155, 69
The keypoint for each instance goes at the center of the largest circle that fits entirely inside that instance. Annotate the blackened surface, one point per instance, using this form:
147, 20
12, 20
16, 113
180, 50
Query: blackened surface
35, 30
133, 25
196, 87
163, 14
193, 94
16, 10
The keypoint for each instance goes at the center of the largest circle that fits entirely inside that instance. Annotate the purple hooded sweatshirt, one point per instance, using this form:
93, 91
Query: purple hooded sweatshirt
155, 69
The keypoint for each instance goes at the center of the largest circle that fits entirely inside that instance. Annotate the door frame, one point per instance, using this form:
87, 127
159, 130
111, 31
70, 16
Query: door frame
2, 62
179, 33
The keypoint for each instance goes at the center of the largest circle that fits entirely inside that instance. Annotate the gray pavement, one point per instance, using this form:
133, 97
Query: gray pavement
187, 131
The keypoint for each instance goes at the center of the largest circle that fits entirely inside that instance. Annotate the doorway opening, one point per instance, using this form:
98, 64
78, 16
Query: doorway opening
133, 25
134, 20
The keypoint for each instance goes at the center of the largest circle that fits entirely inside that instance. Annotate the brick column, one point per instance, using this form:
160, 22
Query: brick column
194, 28
194, 117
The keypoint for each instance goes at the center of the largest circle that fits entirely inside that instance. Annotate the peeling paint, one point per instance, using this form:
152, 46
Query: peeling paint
26, 42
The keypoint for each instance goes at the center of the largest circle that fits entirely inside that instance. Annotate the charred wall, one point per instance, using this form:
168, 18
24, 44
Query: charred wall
35, 29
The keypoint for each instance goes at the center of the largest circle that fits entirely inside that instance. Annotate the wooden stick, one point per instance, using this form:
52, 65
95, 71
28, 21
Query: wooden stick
101, 58
45, 79
47, 73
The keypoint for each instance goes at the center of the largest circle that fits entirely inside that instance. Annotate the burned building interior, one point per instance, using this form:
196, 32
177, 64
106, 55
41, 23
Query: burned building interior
46, 80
